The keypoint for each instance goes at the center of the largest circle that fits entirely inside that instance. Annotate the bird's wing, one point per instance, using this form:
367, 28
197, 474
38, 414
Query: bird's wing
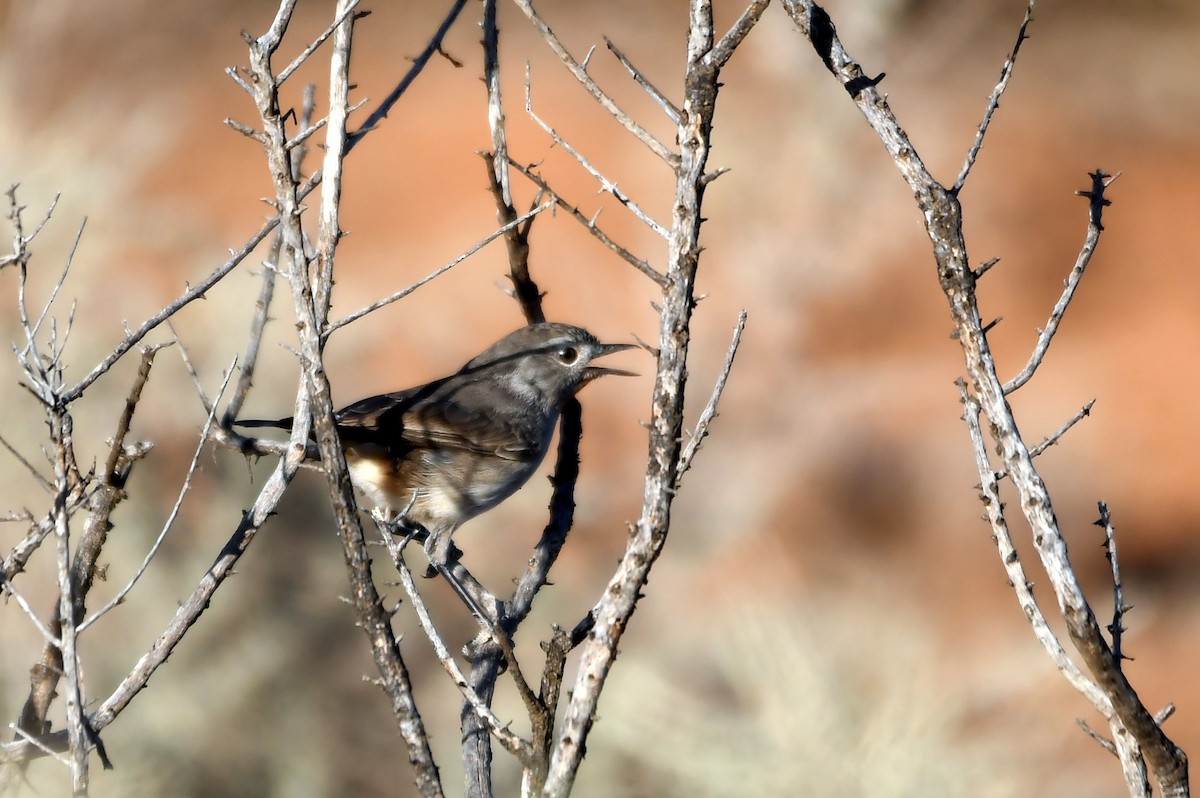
422, 418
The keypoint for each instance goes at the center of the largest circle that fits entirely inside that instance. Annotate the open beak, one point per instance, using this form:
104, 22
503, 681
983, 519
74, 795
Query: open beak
592, 372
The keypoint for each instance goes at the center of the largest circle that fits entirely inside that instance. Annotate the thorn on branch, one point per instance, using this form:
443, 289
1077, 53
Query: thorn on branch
1096, 199
821, 34
442, 52
1104, 742
855, 86
983, 267
1116, 628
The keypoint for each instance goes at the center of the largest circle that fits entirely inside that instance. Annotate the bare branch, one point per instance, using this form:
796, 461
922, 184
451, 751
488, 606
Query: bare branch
516, 239
58, 284
609, 617
434, 46
668, 107
710, 410
994, 101
637, 263
1116, 629
245, 130
47, 635
184, 489
606, 185
994, 507
258, 325
1100, 181
30, 467
1054, 437
942, 215
669, 156
478, 245
512, 742
344, 11
733, 37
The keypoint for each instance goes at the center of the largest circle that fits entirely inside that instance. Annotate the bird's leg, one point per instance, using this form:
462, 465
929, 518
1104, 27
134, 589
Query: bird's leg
399, 525
440, 551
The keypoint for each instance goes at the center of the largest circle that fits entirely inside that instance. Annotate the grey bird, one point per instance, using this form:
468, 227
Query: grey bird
437, 455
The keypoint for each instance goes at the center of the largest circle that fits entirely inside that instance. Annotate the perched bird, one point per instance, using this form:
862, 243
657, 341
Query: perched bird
442, 453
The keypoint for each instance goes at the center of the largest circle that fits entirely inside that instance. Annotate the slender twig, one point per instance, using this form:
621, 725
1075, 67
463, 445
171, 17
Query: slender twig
58, 284
1100, 181
190, 295
15, 562
345, 10
578, 215
994, 100
723, 49
244, 129
30, 467
496, 124
985, 266
39, 744
258, 325
512, 742
606, 185
184, 489
478, 245
434, 46
1100, 739
669, 156
1116, 629
668, 107
710, 410
524, 289
61, 436
1055, 436
22, 602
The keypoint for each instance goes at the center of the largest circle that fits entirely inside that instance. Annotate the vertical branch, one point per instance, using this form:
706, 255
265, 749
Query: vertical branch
61, 437
487, 658
705, 58
516, 238
311, 297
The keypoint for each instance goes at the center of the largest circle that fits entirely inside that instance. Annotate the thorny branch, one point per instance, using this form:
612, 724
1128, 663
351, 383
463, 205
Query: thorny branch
80, 492
710, 410
1116, 629
669, 156
309, 269
1096, 201
1136, 732
606, 622
994, 101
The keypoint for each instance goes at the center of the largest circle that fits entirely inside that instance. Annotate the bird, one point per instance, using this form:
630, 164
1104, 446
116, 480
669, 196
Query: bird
432, 457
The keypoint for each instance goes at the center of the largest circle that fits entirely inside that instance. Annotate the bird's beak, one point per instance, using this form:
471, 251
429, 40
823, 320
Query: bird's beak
592, 372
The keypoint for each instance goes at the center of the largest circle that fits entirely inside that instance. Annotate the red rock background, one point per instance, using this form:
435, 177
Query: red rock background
829, 617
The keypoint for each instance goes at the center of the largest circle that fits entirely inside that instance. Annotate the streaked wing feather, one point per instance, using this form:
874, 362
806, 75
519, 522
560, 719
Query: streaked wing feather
403, 420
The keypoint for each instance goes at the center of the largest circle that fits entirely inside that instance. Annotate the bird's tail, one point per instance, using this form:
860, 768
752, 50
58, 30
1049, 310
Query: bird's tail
280, 423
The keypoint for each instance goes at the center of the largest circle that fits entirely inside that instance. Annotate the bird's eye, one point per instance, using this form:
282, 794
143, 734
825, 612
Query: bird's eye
567, 355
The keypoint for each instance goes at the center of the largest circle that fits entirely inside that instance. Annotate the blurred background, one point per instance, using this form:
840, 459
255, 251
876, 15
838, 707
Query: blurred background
829, 616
